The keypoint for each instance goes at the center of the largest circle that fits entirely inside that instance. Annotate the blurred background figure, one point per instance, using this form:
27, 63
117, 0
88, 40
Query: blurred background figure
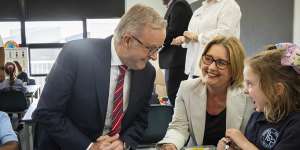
21, 74
214, 17
2, 76
11, 83
8, 138
172, 57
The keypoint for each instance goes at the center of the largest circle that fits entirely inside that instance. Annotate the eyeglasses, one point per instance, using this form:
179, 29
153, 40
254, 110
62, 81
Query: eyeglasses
151, 50
220, 63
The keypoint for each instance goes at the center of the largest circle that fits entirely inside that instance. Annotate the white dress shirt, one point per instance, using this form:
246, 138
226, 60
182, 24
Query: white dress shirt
114, 73
216, 17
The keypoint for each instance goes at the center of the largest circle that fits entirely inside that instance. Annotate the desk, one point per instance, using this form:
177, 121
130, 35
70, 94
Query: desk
32, 91
29, 125
27, 117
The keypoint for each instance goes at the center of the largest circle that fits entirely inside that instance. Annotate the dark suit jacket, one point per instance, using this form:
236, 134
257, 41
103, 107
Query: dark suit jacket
72, 108
178, 17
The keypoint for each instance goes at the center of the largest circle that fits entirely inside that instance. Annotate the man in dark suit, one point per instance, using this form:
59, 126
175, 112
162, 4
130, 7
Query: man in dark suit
96, 94
172, 57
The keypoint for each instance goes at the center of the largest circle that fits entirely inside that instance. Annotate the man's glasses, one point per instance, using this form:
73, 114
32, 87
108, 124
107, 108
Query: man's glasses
220, 63
151, 50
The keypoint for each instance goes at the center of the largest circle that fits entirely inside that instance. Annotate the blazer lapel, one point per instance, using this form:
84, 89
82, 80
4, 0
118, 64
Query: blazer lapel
235, 109
102, 75
197, 108
136, 77
169, 10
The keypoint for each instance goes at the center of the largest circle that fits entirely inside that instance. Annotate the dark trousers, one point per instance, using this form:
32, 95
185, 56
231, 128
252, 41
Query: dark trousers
173, 77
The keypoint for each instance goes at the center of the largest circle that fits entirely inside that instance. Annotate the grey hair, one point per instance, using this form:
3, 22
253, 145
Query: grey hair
137, 17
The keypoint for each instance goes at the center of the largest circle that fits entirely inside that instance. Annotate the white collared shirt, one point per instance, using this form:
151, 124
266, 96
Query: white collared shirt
114, 73
217, 17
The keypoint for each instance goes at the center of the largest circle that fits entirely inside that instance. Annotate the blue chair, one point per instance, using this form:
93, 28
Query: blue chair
159, 118
14, 102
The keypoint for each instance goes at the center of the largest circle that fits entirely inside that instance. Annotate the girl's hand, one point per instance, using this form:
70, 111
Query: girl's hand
238, 139
168, 146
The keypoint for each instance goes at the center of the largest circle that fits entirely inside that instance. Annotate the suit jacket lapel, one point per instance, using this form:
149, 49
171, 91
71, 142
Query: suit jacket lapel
135, 79
198, 111
169, 10
102, 75
235, 109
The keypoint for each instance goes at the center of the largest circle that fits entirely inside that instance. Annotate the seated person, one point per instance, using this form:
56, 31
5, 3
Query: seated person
272, 81
206, 106
8, 138
2, 76
11, 83
21, 74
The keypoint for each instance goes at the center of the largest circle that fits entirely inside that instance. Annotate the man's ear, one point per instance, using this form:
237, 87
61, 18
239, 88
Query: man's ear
126, 39
279, 88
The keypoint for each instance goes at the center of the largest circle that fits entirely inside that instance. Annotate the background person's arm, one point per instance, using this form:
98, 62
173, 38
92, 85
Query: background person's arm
9, 146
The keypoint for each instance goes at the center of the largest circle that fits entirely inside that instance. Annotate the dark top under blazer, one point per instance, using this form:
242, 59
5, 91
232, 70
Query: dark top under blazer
178, 17
72, 108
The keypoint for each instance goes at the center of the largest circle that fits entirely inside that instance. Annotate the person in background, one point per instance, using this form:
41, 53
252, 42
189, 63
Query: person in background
272, 80
21, 74
8, 138
214, 17
11, 83
97, 93
172, 57
207, 106
2, 59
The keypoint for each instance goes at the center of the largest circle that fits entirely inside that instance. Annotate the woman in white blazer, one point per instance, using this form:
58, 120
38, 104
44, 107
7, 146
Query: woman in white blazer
205, 107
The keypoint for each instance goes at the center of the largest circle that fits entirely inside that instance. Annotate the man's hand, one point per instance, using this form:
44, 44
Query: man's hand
107, 142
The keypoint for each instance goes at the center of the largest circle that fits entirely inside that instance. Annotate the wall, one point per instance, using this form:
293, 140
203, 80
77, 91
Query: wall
265, 22
156, 4
297, 22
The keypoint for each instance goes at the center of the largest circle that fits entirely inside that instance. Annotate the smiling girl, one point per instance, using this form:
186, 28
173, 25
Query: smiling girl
272, 81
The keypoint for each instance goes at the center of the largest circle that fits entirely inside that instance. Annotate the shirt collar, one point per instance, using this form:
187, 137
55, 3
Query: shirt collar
260, 117
115, 60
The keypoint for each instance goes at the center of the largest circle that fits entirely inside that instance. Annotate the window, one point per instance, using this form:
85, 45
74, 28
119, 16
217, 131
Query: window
11, 31
53, 31
101, 28
42, 59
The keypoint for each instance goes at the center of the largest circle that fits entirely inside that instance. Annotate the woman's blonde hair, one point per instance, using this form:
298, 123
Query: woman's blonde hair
236, 53
267, 65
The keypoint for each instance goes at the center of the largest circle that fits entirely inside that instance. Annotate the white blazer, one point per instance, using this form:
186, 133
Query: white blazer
190, 113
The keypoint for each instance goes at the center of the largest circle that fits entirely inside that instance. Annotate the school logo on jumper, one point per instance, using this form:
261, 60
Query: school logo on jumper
269, 137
